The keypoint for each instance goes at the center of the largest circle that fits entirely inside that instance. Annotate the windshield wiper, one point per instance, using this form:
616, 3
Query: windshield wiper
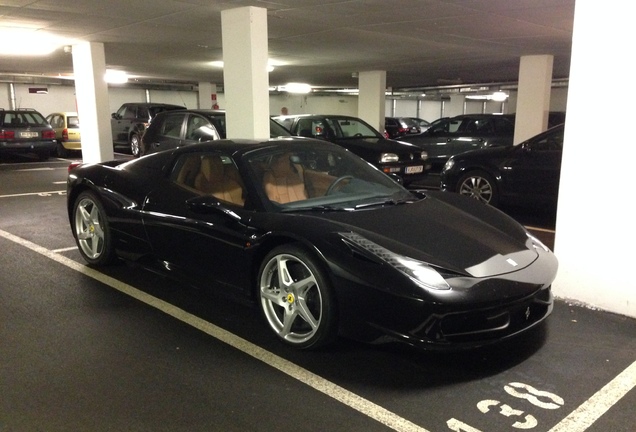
385, 202
317, 208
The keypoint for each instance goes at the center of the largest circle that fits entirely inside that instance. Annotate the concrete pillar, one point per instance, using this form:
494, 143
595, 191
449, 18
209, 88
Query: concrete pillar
595, 219
207, 95
371, 98
245, 74
91, 90
533, 99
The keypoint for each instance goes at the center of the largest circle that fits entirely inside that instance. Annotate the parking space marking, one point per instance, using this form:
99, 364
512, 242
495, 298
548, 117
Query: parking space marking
44, 194
352, 400
593, 408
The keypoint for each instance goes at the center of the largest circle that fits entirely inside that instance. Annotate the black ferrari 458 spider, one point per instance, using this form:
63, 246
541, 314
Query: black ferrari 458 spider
324, 243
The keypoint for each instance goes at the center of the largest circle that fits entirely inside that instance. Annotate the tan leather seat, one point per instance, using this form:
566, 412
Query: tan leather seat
214, 179
282, 182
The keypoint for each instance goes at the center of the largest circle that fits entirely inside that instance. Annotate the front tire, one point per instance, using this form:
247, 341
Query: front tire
480, 186
134, 144
296, 298
91, 230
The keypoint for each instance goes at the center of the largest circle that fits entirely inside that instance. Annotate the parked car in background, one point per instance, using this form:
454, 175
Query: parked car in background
67, 132
130, 121
319, 241
406, 161
454, 135
398, 127
172, 129
525, 174
26, 131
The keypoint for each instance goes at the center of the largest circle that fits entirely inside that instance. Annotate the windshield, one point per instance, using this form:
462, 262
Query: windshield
308, 176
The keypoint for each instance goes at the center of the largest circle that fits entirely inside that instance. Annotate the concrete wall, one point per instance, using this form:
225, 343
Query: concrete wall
62, 98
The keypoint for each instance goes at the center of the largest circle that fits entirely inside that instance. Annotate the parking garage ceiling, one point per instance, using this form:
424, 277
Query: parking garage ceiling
420, 43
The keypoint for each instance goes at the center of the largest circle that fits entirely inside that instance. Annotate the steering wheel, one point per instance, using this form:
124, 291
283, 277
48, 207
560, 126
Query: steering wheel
359, 134
332, 186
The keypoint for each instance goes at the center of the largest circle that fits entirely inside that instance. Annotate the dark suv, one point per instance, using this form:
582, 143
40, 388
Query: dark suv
26, 131
450, 136
131, 120
406, 161
171, 129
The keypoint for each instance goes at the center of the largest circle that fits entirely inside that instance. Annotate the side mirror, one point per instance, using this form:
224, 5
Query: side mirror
115, 116
210, 205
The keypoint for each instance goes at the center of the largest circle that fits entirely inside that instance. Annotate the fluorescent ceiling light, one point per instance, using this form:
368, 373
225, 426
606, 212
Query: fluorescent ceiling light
296, 88
28, 41
116, 77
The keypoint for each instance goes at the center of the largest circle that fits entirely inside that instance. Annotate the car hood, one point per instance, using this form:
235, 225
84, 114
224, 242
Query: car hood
443, 235
377, 144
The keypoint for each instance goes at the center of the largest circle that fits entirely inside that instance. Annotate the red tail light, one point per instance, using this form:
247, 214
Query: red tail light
48, 134
73, 165
7, 134
65, 134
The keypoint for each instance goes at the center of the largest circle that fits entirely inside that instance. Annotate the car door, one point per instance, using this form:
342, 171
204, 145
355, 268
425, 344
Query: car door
121, 122
57, 122
471, 134
534, 174
165, 133
200, 245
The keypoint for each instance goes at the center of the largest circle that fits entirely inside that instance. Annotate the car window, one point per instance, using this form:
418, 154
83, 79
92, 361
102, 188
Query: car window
73, 121
23, 119
445, 126
121, 112
200, 129
550, 142
171, 126
308, 177
55, 120
355, 128
142, 113
128, 113
211, 174
504, 126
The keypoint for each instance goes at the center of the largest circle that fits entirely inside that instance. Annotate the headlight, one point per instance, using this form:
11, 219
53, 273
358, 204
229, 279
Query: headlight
424, 155
418, 271
389, 157
449, 164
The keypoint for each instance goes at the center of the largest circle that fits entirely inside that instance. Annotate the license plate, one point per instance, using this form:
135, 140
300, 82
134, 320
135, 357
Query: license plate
29, 134
414, 169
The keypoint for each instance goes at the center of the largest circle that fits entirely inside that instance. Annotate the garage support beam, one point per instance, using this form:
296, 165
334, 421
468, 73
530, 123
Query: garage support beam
371, 99
245, 75
595, 219
533, 97
91, 93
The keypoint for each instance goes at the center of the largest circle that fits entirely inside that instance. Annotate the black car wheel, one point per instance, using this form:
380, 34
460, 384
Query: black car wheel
296, 298
91, 230
134, 145
480, 186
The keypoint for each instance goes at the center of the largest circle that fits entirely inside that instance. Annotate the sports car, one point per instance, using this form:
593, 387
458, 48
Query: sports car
324, 244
